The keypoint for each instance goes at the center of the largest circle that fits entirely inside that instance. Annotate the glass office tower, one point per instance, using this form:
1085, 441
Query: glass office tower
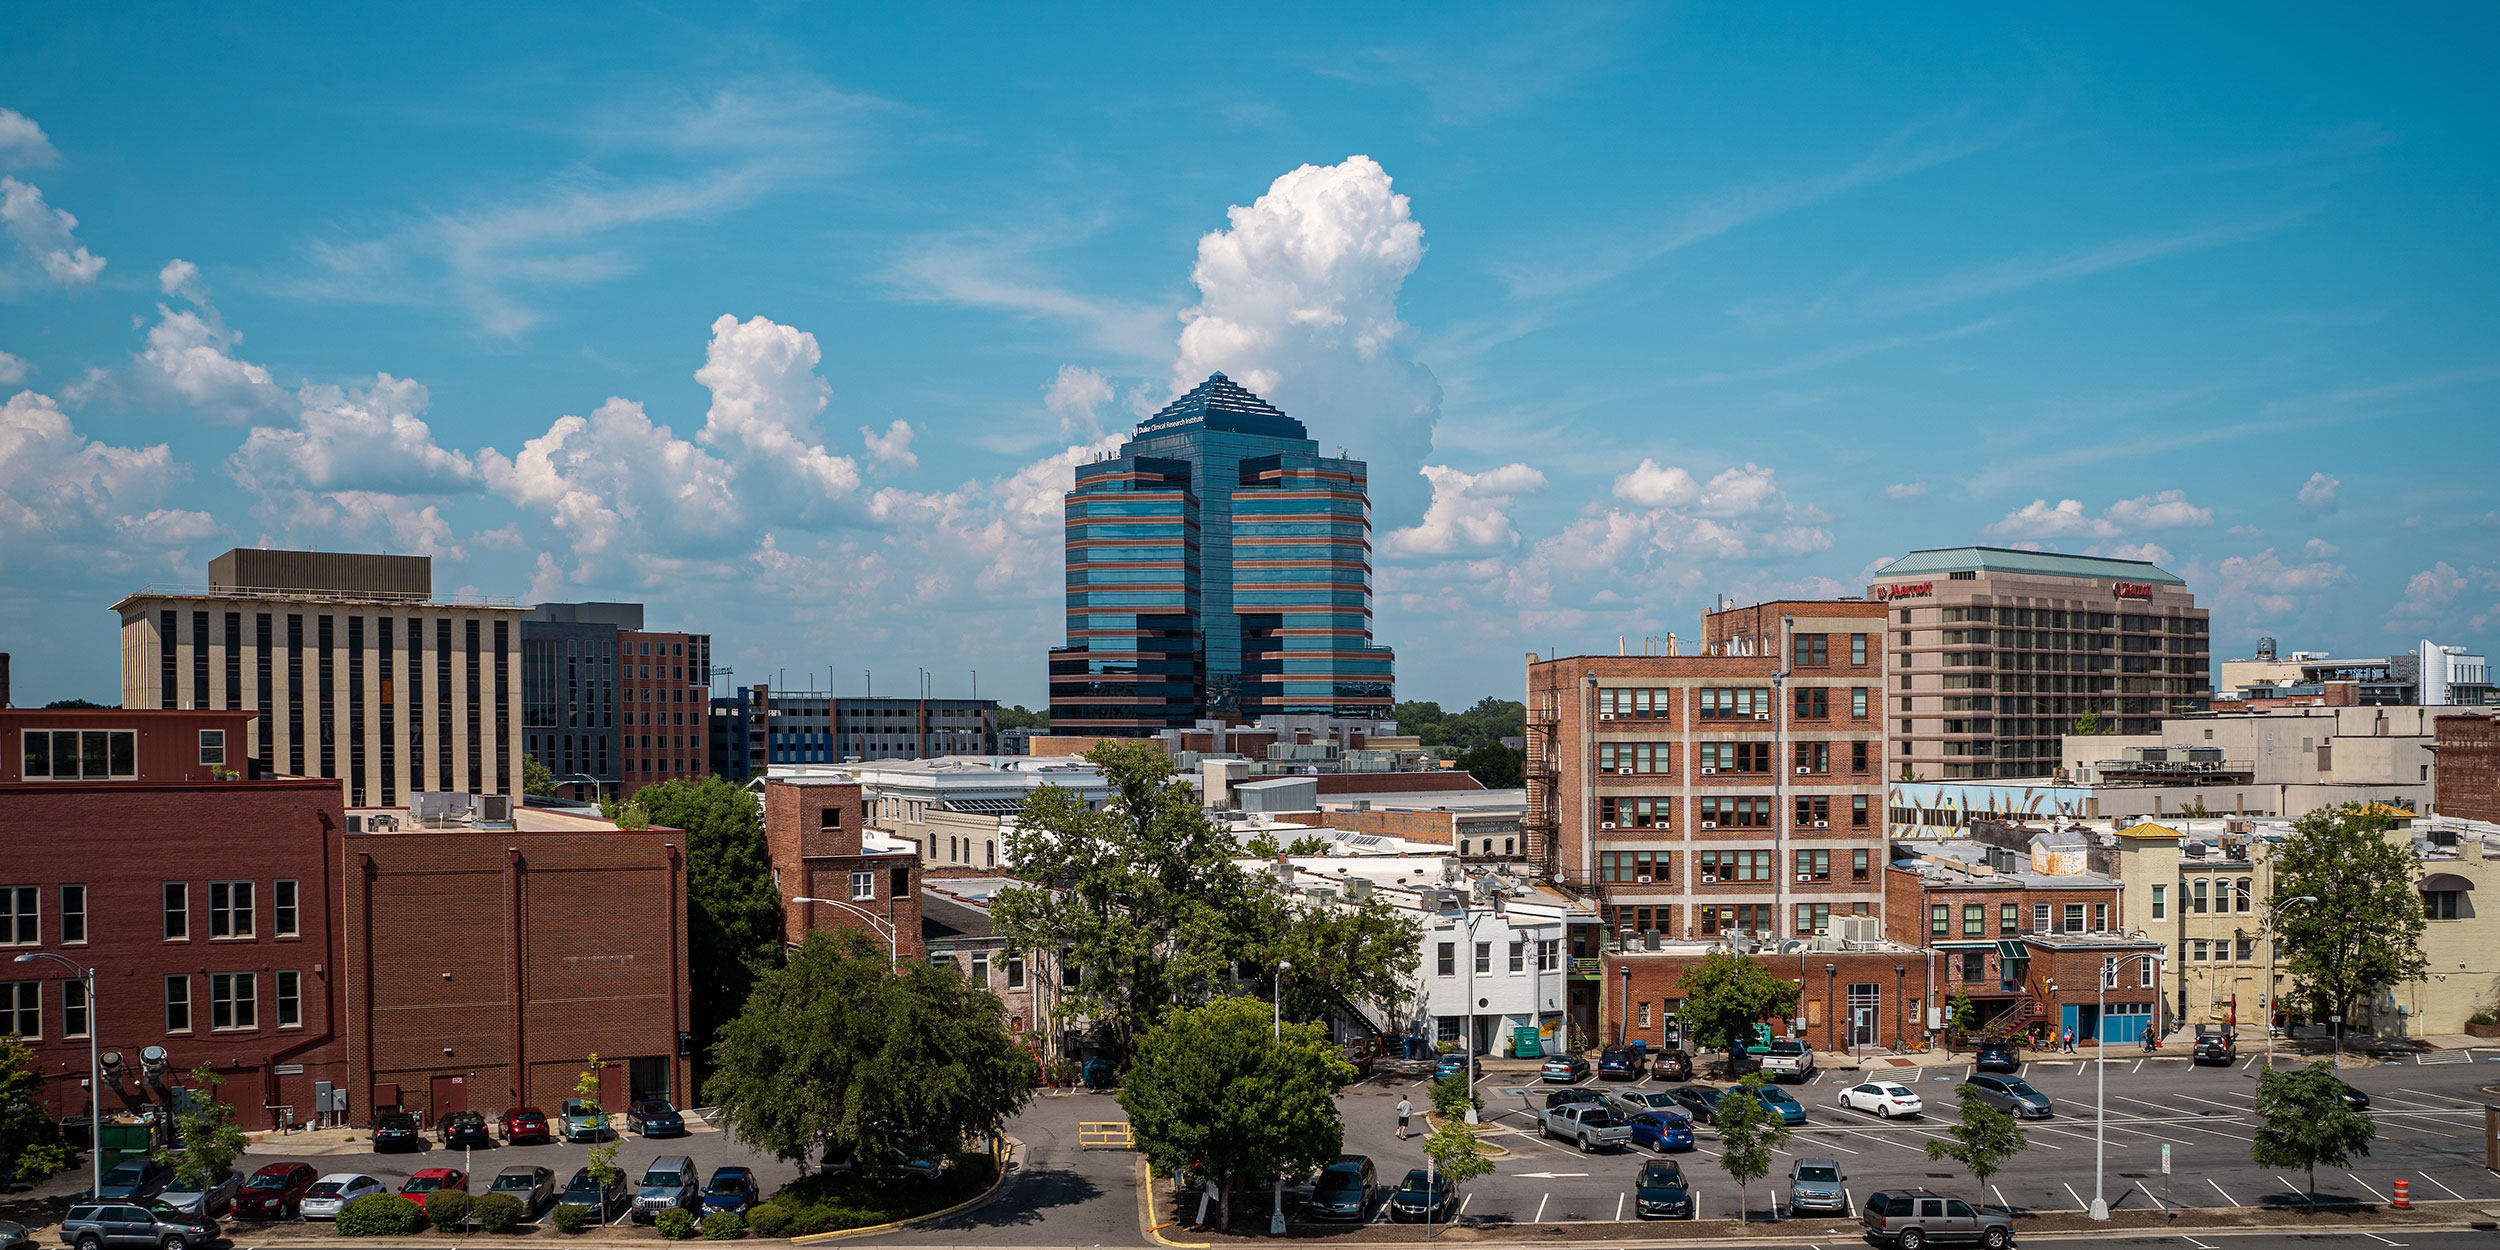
1217, 566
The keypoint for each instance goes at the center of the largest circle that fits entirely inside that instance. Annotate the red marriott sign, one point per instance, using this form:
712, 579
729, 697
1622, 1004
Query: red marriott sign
1904, 590
2131, 590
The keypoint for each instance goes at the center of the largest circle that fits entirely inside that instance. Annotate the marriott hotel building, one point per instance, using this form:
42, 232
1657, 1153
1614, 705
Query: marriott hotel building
1995, 654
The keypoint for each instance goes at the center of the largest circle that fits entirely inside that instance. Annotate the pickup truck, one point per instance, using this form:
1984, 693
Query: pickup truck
1588, 1125
1787, 1059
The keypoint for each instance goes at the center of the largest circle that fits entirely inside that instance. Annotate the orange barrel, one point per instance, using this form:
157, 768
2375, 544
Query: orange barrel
2403, 1202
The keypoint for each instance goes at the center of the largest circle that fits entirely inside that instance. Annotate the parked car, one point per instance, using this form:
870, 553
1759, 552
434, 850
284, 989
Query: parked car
1661, 1193
585, 1191
1567, 1097
1884, 1098
1588, 1125
1422, 1196
731, 1189
534, 1186
331, 1194
428, 1182
1788, 1059
465, 1129
13, 1235
1817, 1185
1996, 1057
1618, 1063
1914, 1218
917, 1165
397, 1130
1781, 1103
582, 1120
213, 1199
1661, 1130
523, 1124
1358, 1058
1344, 1189
653, 1118
1635, 1101
670, 1181
1701, 1102
135, 1179
2013, 1093
2216, 1048
2353, 1098
1565, 1069
1672, 1065
94, 1225
273, 1191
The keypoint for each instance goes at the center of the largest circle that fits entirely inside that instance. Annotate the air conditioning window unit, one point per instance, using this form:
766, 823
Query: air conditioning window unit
1762, 716
1709, 772
1605, 824
1641, 880
1605, 716
1623, 772
1822, 824
1802, 770
1707, 879
1709, 824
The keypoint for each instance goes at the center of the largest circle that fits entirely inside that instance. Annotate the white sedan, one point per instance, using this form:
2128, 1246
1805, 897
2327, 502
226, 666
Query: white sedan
1883, 1098
331, 1194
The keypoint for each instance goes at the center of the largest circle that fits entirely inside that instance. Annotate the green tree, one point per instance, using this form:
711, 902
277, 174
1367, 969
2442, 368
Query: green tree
1983, 1139
2087, 725
537, 780
629, 814
1215, 1092
2364, 932
837, 1048
79, 703
1495, 766
2302, 1122
1456, 1152
1341, 952
210, 1141
30, 1144
1018, 718
1726, 995
1748, 1133
1961, 1013
1452, 1099
603, 1147
733, 913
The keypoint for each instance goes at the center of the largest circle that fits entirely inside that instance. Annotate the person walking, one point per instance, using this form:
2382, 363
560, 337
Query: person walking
1405, 1109
2070, 1039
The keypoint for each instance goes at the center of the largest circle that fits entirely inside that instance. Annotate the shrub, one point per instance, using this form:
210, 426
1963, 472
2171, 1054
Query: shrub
381, 1215
769, 1220
676, 1223
2481, 1017
497, 1212
447, 1208
828, 1203
724, 1226
571, 1219
1451, 1098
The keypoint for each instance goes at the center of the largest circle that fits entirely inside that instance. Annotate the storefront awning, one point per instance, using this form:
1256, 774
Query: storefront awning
2010, 949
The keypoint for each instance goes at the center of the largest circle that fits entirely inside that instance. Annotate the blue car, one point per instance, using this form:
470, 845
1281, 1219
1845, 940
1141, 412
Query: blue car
1450, 1066
1780, 1100
731, 1189
1662, 1130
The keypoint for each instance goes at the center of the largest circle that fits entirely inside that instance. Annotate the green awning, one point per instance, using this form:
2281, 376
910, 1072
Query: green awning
2010, 949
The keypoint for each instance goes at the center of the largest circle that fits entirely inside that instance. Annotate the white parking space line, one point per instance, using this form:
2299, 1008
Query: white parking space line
2139, 1066
2386, 1120
1618, 1208
2435, 1102
2376, 1237
2149, 1194
2248, 1063
1463, 1200
2366, 1185
2435, 1180
2227, 1199
1540, 1208
2080, 1204
2194, 1242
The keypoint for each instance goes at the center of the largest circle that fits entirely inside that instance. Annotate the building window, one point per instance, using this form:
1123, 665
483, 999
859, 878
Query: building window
229, 909
21, 1010
1644, 1015
1446, 1030
1719, 866
2161, 902
1015, 972
80, 754
1974, 965
1548, 954
1813, 918
2440, 905
177, 911
73, 915
2100, 917
1940, 920
1858, 866
20, 922
233, 1001
2009, 919
1445, 959
1857, 699
828, 818
2198, 951
1809, 650
2246, 892
2144, 969
283, 912
2222, 894
1634, 867
1484, 957
863, 886
2040, 918
981, 969
1812, 703
2109, 972
1857, 649
2196, 896
2074, 917
1518, 956
213, 748
73, 1009
290, 991
1974, 920
178, 1004
1813, 865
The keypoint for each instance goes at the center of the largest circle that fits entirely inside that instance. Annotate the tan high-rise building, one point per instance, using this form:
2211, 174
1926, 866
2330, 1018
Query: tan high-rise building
1996, 654
353, 667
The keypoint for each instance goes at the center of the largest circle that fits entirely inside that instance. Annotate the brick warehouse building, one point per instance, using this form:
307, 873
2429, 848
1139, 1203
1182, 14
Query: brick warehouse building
484, 961
1734, 792
817, 834
1860, 997
2466, 780
205, 906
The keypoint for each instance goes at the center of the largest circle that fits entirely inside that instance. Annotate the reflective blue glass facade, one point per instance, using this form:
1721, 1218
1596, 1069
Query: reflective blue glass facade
1217, 566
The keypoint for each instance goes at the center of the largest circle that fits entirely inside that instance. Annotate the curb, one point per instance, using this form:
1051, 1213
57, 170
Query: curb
1146, 1212
998, 1180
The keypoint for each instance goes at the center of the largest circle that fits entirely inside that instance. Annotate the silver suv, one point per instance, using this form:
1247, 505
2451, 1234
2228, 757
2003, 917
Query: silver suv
1916, 1218
1817, 1185
95, 1225
670, 1181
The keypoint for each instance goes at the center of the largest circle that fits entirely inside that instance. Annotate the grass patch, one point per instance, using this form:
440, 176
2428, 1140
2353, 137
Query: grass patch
826, 1204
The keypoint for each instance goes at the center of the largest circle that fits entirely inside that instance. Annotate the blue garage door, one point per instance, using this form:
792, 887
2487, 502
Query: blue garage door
2125, 1022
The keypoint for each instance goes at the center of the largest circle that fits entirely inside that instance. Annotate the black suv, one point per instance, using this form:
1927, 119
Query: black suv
1344, 1189
93, 1226
2216, 1048
397, 1131
1996, 1057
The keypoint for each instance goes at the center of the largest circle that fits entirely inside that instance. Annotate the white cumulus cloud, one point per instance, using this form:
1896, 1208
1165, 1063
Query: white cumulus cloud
1470, 512
68, 503
1651, 485
2168, 510
48, 235
2069, 518
12, 370
23, 143
190, 354
1900, 491
765, 397
2268, 584
2318, 493
373, 440
2322, 549
1076, 397
893, 446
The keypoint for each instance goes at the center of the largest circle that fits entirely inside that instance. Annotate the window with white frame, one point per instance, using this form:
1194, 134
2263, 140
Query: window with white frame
233, 1001
1015, 972
2145, 970
73, 915
178, 912
229, 909
981, 969
284, 913
1518, 956
21, 1010
213, 748
2109, 972
2161, 903
73, 1009
863, 886
178, 1003
21, 921
289, 987
1548, 954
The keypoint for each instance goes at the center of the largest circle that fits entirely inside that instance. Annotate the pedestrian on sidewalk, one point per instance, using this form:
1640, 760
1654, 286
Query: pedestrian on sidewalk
2069, 1040
1405, 1109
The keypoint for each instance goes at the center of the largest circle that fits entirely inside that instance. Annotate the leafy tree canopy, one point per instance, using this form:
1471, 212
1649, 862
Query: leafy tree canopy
733, 913
79, 703
210, 1141
2302, 1122
537, 780
1983, 1139
836, 1048
1488, 722
2364, 932
1215, 1093
1018, 718
1748, 1133
1726, 994
1495, 766
29, 1142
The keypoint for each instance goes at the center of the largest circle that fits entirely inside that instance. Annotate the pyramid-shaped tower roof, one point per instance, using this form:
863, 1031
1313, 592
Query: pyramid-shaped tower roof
1219, 403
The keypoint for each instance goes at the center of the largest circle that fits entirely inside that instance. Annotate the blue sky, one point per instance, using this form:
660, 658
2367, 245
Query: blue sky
790, 323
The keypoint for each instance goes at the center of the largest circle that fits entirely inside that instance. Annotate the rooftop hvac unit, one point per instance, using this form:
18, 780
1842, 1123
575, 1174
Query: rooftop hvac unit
1358, 889
494, 808
1652, 939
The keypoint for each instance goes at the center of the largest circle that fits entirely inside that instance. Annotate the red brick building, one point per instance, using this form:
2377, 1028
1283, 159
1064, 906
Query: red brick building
2467, 777
664, 692
1739, 791
817, 834
1980, 922
1870, 998
483, 961
205, 907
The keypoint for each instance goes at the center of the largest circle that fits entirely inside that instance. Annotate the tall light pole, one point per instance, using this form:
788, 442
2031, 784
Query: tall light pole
95, 1072
2100, 1070
1276, 1186
2273, 997
893, 937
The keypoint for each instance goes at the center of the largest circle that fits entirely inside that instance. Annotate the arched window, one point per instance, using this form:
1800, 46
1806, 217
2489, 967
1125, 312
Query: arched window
2222, 894
2197, 896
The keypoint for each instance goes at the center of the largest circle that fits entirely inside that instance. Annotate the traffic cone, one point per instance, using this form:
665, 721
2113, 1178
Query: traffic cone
2403, 1201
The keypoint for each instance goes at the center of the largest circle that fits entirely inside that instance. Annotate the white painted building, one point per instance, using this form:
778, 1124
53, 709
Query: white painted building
956, 809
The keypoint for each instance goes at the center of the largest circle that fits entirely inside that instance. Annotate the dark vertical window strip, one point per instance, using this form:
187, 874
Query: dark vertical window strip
503, 707
390, 752
442, 702
262, 660
416, 703
199, 662
168, 668
476, 692
325, 716
295, 693
234, 662
356, 711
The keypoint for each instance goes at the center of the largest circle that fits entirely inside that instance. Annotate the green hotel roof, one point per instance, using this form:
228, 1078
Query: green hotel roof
2008, 560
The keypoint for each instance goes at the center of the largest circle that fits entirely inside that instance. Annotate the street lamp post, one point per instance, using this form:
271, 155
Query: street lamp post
2274, 997
893, 936
1276, 1186
95, 1083
1831, 972
2100, 1070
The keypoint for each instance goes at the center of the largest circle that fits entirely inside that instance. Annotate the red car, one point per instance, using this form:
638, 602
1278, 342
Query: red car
431, 1181
524, 1124
274, 1192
